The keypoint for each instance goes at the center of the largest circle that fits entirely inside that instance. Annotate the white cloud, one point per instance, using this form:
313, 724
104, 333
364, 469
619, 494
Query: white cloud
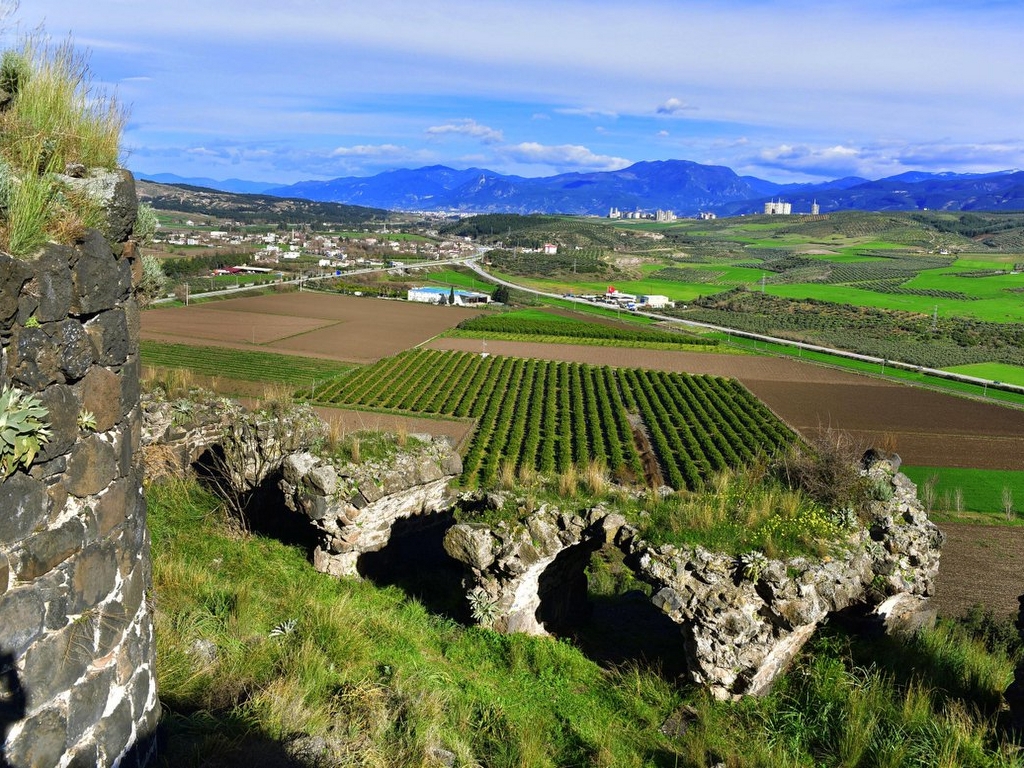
468, 127
374, 151
563, 156
591, 112
674, 106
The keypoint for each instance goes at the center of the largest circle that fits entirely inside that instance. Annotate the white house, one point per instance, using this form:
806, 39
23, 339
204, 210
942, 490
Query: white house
436, 295
654, 301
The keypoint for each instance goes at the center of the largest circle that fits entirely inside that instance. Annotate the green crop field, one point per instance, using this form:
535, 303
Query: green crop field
980, 490
1011, 374
242, 365
541, 326
547, 416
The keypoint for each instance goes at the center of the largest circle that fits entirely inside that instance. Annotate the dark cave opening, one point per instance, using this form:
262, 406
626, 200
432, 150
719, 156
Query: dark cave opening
415, 561
591, 597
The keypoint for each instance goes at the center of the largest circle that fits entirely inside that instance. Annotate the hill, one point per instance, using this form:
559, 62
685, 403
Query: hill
251, 208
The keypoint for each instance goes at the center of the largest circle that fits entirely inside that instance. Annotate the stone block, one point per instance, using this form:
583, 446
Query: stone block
21, 619
112, 623
56, 493
98, 281
76, 352
134, 588
54, 590
114, 732
133, 317
110, 508
56, 661
62, 406
42, 742
34, 359
91, 466
43, 552
88, 700
93, 576
109, 334
52, 283
129, 384
14, 273
23, 501
100, 392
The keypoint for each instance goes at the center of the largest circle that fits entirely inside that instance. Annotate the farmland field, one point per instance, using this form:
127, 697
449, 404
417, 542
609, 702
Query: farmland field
240, 365
928, 428
545, 416
352, 329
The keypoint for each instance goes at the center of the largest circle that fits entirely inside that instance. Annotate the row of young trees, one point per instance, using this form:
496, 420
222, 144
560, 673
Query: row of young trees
538, 415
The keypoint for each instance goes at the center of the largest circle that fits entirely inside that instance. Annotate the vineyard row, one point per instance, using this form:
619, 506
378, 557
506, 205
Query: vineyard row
548, 416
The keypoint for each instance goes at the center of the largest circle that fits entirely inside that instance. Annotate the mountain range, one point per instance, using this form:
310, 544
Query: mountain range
681, 186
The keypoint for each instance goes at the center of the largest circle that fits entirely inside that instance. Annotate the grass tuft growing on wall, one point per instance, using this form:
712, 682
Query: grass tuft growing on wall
56, 118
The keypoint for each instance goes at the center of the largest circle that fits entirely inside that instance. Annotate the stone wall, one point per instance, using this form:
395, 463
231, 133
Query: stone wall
77, 677
739, 627
353, 507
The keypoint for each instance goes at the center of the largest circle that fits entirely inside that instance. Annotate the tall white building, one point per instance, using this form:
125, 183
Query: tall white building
779, 208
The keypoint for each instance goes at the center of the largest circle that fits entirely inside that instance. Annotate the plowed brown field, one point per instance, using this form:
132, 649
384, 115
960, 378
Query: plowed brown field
348, 328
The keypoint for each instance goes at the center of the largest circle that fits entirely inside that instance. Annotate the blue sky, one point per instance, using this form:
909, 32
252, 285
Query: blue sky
789, 91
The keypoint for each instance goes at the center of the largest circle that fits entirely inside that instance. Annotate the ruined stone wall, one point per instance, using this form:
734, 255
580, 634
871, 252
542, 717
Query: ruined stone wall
77, 677
739, 627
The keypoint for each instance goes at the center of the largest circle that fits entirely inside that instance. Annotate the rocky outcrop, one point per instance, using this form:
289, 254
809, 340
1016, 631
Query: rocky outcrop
353, 507
741, 621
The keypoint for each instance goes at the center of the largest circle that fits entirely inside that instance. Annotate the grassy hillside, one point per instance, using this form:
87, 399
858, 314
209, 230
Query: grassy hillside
262, 661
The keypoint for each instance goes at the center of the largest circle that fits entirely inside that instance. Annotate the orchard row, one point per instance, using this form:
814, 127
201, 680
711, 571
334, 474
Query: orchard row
548, 416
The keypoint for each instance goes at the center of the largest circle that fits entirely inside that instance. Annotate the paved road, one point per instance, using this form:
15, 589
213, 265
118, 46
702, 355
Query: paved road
472, 264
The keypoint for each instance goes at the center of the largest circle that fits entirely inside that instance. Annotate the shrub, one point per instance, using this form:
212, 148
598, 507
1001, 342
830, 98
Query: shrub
826, 469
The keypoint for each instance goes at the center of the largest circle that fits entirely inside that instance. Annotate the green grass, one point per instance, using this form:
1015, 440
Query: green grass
55, 117
981, 489
1010, 374
242, 365
387, 682
368, 667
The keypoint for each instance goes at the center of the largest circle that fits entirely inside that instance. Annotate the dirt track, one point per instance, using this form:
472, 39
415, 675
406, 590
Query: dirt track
980, 564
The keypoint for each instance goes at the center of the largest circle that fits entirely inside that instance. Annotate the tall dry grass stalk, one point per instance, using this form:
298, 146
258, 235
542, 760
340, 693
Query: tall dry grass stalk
528, 476
507, 474
595, 478
569, 482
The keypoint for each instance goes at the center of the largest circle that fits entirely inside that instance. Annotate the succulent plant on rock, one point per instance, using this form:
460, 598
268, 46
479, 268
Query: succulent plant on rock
23, 429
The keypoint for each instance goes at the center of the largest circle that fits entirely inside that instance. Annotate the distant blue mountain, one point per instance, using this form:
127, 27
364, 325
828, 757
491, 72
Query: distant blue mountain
684, 187
235, 186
